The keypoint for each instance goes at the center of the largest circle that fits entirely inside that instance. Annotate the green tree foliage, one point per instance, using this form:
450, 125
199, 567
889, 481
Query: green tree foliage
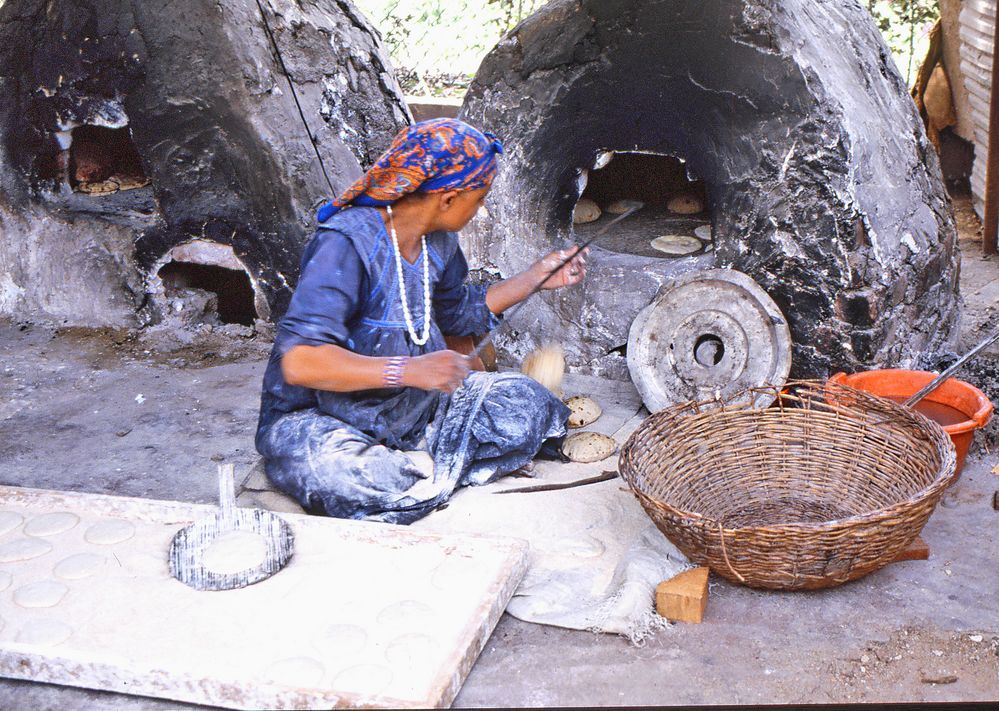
905, 25
437, 45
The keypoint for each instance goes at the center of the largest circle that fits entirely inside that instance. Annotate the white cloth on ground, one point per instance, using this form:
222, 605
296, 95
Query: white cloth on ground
595, 558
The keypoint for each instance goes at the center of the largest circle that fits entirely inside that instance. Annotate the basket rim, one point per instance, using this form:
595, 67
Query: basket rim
946, 473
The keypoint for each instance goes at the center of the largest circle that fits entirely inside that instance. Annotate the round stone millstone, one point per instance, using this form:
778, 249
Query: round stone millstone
708, 334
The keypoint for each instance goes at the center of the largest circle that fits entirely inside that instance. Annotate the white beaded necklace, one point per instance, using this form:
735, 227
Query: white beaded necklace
418, 340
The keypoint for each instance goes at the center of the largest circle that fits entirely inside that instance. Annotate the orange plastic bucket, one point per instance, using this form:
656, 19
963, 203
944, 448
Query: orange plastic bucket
940, 405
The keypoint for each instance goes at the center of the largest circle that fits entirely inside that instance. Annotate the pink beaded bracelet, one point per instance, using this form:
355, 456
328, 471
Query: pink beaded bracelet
392, 373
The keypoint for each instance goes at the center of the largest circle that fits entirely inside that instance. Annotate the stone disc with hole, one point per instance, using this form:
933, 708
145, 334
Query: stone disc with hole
708, 334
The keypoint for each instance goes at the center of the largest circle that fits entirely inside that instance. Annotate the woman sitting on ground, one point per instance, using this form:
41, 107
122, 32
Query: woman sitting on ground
360, 373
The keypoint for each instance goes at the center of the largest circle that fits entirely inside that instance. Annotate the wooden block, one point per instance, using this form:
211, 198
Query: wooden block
684, 597
995, 501
917, 550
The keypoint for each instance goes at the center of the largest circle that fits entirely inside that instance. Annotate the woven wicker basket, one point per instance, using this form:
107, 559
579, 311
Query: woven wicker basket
826, 485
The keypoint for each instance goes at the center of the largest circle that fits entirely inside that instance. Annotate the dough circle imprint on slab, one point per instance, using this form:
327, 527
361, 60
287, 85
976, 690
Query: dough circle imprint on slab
297, 671
107, 533
46, 593
51, 524
81, 565
450, 574
407, 613
23, 549
372, 678
234, 552
9, 520
44, 633
413, 649
5, 579
338, 642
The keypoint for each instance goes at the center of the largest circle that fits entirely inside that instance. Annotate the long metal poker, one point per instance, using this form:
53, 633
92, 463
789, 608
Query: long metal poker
937, 381
507, 319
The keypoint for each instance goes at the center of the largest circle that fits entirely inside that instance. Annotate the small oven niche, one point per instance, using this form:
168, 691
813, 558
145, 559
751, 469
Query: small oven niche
103, 161
675, 213
235, 297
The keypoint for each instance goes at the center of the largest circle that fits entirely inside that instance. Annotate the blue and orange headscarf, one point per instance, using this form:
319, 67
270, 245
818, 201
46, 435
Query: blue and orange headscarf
430, 156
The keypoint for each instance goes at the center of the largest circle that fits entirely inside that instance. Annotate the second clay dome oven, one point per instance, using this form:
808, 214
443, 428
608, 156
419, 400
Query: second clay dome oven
779, 135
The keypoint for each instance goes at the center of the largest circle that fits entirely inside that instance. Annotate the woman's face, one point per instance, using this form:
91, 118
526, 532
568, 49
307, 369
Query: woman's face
457, 208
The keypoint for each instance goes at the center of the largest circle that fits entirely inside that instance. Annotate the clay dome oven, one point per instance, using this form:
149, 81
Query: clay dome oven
787, 118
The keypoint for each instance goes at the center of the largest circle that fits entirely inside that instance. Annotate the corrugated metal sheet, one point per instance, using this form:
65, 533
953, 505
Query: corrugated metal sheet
977, 27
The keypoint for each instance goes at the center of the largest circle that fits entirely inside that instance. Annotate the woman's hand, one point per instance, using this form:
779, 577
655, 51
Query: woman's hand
440, 370
502, 295
572, 273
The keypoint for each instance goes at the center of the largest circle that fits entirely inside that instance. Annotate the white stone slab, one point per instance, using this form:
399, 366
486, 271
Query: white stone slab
364, 614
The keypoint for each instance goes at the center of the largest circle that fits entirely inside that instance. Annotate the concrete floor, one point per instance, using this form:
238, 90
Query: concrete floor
71, 418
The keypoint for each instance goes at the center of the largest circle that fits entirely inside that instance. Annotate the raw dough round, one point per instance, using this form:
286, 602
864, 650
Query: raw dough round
23, 549
547, 366
588, 447
9, 520
44, 633
5, 579
51, 523
46, 593
619, 207
676, 244
369, 678
585, 211
81, 565
685, 204
583, 411
703, 232
234, 552
109, 532
302, 672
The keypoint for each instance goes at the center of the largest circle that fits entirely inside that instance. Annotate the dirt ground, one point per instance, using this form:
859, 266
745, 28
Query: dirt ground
148, 414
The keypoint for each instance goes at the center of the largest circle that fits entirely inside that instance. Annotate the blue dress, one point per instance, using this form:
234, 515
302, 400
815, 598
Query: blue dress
339, 453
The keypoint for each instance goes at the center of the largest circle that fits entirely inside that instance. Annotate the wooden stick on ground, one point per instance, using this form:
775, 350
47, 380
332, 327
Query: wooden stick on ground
606, 476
